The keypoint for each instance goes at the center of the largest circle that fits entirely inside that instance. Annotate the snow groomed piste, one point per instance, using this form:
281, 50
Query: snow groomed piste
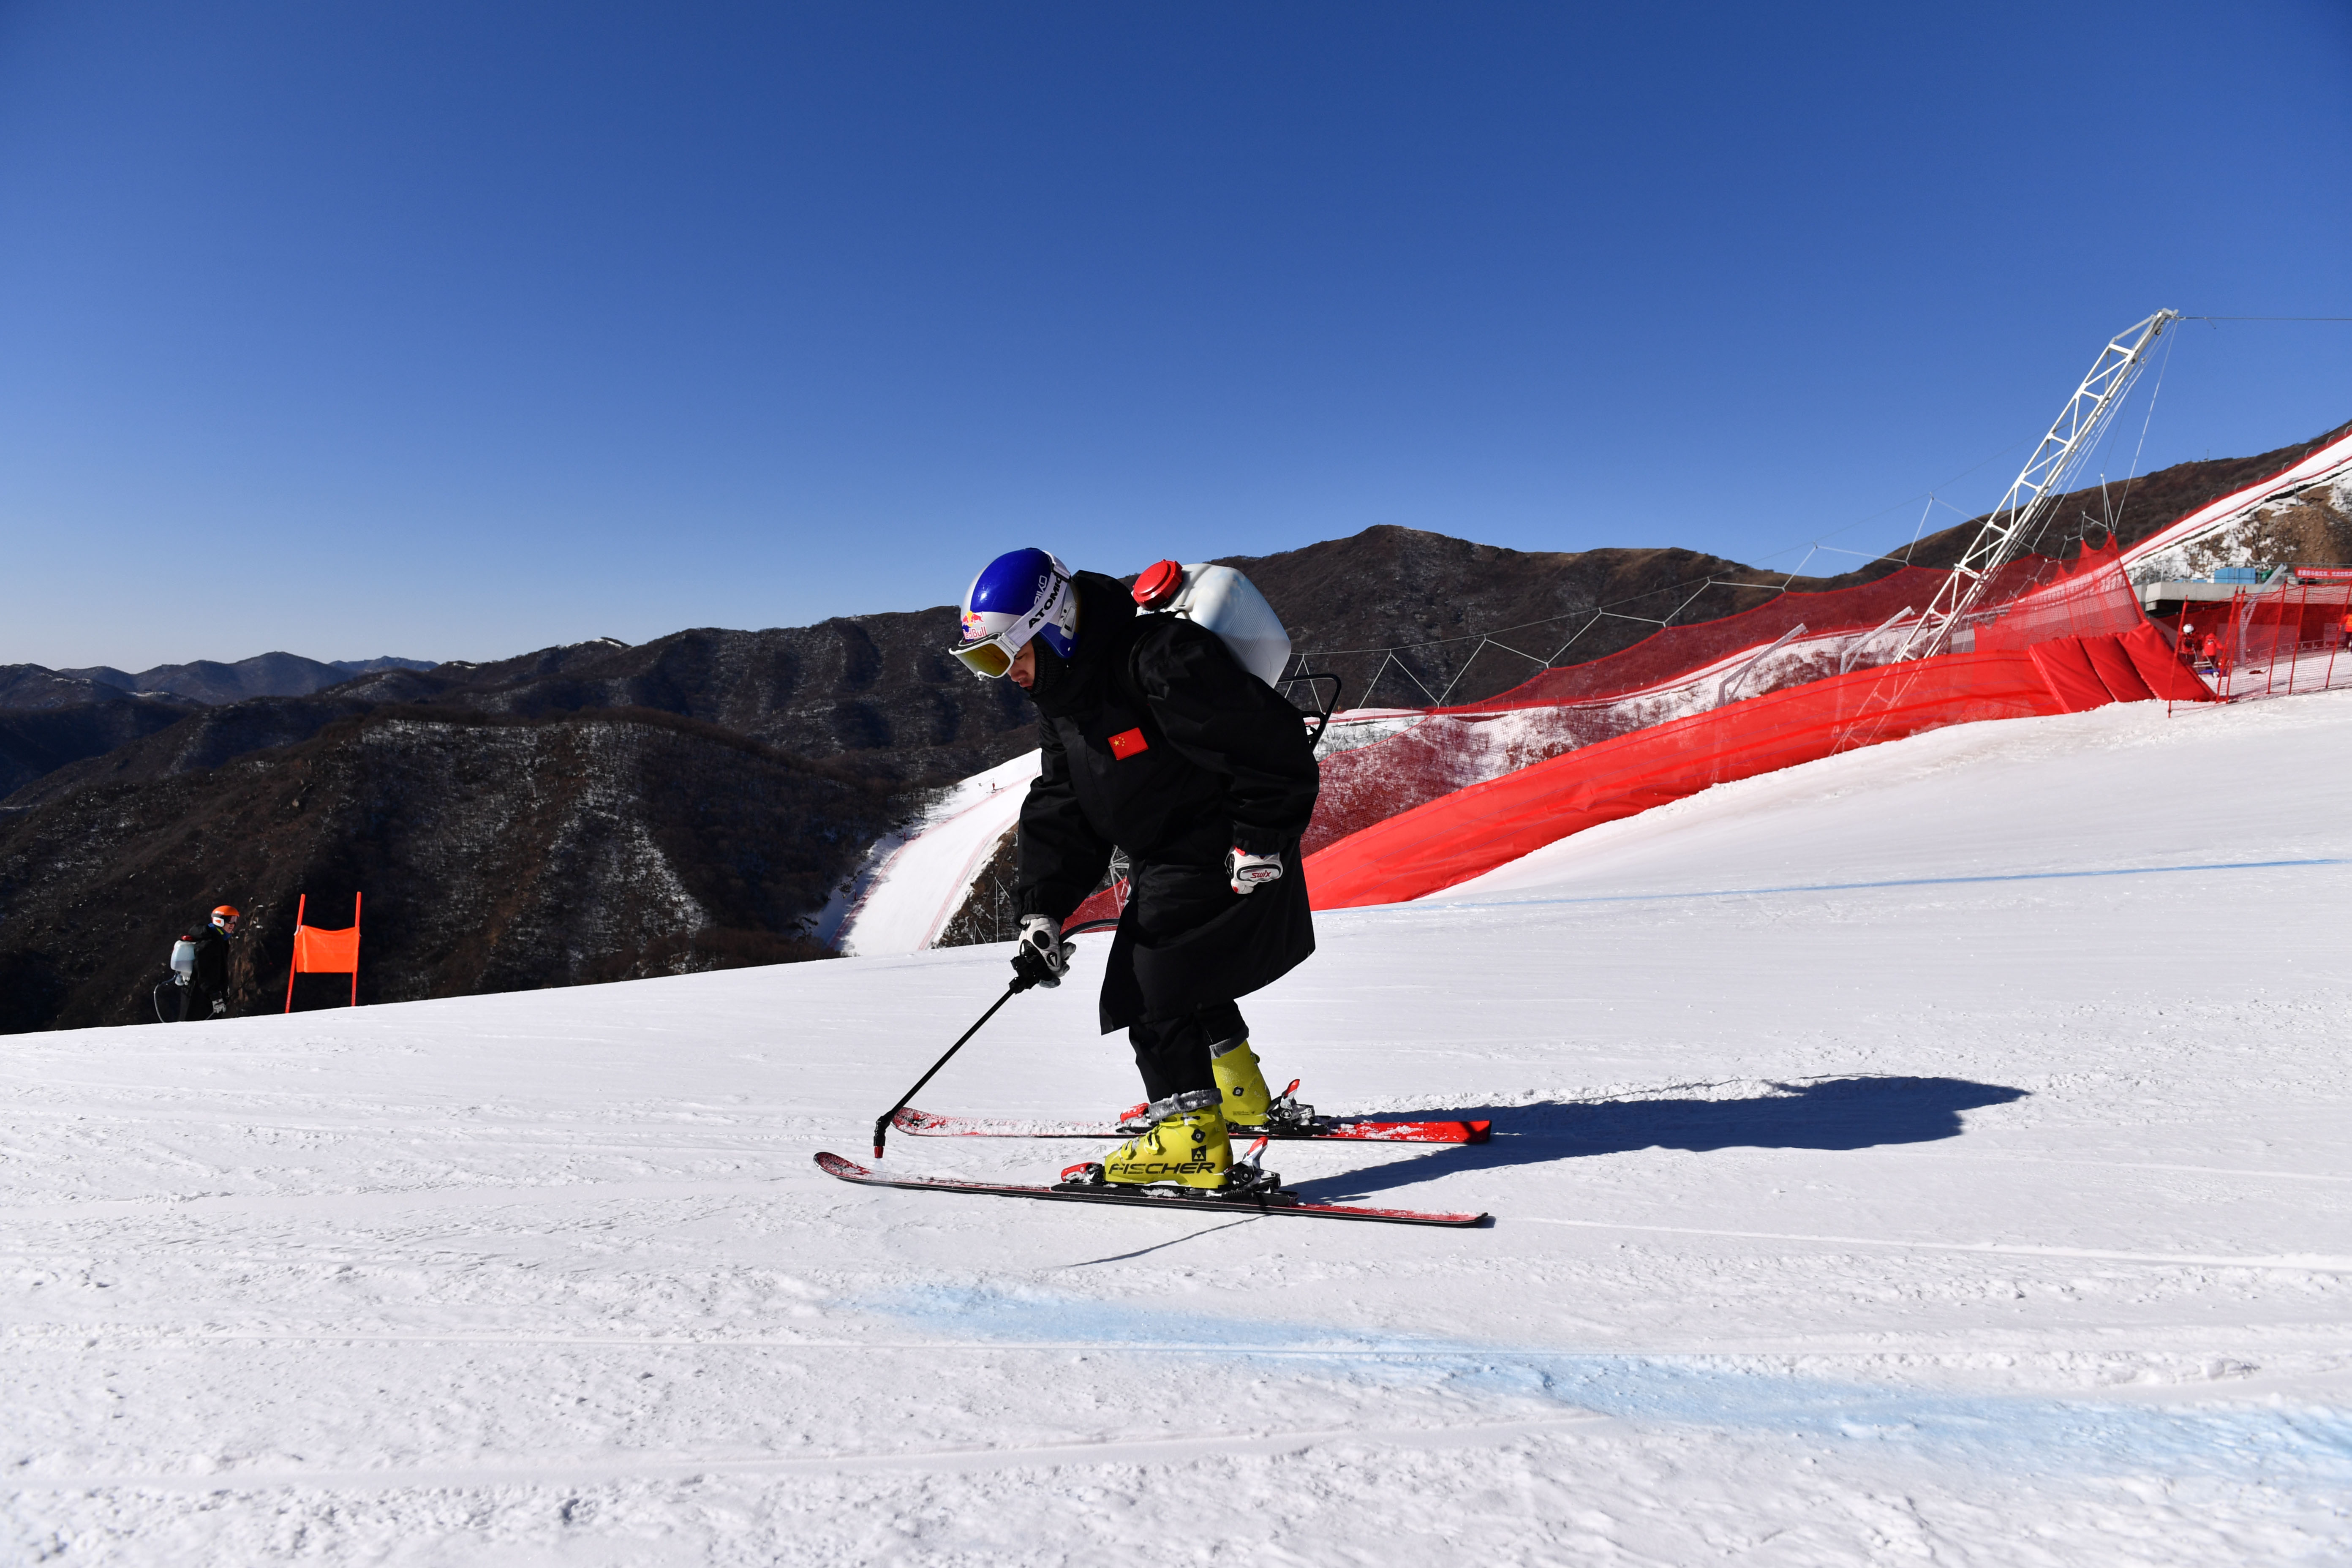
1913, 1138
1936, 1151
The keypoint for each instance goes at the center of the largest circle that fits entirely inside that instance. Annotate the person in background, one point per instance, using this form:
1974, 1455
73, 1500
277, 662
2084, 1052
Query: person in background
206, 993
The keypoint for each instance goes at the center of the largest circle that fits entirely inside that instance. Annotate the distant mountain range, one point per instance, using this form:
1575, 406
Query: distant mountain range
600, 810
204, 682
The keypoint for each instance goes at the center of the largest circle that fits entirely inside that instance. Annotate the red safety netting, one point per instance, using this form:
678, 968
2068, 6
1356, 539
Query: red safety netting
2165, 672
1434, 846
2086, 593
2277, 640
2267, 628
1685, 670
1474, 830
2112, 661
1463, 790
2089, 596
2068, 670
1676, 652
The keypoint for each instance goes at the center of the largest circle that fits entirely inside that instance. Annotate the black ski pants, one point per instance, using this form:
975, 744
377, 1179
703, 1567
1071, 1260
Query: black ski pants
1187, 946
196, 1004
1173, 1054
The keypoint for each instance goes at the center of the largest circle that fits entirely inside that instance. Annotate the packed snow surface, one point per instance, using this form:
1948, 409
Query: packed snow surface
1935, 1154
915, 880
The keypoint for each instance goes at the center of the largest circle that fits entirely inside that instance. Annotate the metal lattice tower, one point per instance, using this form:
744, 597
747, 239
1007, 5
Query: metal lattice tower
2025, 508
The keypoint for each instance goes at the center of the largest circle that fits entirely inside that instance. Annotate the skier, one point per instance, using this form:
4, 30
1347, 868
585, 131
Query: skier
1156, 741
206, 994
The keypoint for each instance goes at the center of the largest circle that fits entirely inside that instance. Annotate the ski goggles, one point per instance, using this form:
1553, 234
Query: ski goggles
991, 659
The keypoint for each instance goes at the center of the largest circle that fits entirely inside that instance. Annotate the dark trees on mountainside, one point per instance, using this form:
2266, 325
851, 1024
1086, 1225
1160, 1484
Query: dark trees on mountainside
599, 811
495, 855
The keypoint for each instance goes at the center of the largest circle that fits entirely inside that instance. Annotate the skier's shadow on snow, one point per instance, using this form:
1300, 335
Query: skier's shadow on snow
1822, 1113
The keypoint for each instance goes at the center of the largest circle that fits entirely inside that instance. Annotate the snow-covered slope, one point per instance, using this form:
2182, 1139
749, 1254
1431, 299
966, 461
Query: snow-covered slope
914, 882
1937, 1153
2121, 788
2216, 534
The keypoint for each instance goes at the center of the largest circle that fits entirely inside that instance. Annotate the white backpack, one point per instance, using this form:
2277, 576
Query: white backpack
1227, 603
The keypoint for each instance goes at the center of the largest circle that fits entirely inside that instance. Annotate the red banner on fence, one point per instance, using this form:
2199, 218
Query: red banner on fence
1471, 831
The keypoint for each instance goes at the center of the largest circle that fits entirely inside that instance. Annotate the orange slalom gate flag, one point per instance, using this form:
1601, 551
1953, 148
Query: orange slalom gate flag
319, 952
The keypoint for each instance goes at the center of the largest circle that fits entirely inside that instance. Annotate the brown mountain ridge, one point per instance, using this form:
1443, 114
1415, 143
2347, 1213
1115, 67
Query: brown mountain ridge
599, 811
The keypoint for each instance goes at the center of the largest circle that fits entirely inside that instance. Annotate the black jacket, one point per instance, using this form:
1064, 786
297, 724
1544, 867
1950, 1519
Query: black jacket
211, 974
1158, 741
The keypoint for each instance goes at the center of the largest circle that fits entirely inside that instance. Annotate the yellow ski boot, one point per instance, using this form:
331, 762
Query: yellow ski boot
1186, 1143
1242, 1083
1249, 1105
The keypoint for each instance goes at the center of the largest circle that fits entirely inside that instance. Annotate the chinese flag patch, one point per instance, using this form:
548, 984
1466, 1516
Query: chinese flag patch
1129, 744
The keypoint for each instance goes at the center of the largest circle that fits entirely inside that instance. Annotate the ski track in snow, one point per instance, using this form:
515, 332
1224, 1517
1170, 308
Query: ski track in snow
1934, 1153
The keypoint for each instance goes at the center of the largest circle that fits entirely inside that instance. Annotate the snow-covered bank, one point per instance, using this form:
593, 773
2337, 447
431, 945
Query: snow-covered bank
1935, 1152
915, 880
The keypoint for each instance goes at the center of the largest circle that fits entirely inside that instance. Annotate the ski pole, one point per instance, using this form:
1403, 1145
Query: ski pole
1019, 983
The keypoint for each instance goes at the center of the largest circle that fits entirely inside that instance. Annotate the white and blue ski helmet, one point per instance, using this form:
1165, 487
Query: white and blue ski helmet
1021, 595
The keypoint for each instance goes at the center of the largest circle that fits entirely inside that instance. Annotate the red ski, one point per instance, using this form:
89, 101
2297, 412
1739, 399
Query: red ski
923, 1123
1276, 1200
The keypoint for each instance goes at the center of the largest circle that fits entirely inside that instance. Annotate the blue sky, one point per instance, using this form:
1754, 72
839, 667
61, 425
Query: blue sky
454, 331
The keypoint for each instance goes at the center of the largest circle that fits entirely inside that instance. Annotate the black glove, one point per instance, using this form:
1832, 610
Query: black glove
1244, 872
1041, 957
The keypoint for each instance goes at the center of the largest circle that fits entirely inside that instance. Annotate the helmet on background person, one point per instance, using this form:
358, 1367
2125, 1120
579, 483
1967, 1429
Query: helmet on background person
1021, 595
225, 917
